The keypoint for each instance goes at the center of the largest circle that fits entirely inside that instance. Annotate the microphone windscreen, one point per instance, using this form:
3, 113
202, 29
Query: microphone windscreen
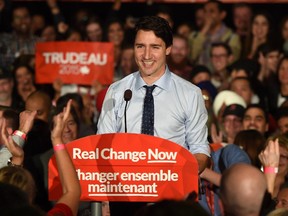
127, 95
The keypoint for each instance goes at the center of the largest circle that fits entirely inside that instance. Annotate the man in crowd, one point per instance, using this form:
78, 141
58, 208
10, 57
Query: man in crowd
20, 41
178, 61
255, 118
180, 114
242, 190
214, 30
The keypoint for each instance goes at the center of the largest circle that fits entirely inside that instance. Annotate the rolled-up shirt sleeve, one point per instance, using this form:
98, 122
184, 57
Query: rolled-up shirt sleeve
196, 128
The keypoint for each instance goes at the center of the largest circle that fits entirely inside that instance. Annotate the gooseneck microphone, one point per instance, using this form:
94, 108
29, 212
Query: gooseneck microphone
127, 97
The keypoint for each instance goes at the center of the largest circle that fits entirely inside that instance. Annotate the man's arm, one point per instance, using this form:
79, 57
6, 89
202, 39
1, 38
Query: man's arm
202, 160
196, 129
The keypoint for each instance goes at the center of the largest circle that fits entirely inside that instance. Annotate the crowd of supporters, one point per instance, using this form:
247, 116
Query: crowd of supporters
241, 66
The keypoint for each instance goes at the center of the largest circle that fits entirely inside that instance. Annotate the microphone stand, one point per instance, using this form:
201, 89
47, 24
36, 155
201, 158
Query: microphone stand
127, 97
125, 118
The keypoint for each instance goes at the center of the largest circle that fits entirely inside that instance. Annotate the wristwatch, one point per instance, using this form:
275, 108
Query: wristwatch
10, 163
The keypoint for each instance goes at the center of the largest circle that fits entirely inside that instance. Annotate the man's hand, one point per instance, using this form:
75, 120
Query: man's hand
26, 120
203, 161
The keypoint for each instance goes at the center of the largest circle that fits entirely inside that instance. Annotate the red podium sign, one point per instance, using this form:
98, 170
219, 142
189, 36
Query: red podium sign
129, 167
75, 62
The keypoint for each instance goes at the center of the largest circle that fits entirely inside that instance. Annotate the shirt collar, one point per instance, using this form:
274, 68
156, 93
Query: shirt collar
163, 82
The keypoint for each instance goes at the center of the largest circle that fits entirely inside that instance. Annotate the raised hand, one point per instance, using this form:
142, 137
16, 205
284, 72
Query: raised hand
270, 156
26, 120
216, 137
16, 151
59, 122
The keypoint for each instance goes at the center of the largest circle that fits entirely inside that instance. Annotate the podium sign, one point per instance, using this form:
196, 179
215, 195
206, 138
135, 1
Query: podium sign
128, 167
75, 62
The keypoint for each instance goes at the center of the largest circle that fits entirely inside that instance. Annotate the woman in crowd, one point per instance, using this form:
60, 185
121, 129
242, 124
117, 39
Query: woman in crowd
24, 81
252, 142
93, 30
260, 33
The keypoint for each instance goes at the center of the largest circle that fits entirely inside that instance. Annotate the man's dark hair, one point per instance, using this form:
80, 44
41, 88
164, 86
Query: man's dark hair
224, 45
241, 5
63, 100
159, 26
220, 5
243, 78
13, 116
258, 106
281, 112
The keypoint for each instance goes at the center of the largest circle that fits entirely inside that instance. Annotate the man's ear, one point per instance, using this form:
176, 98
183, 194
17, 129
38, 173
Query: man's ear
168, 50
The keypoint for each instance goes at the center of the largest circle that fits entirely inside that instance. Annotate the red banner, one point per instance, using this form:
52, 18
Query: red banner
128, 167
75, 62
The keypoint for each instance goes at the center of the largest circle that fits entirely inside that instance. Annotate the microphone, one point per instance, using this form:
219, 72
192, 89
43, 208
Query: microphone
127, 98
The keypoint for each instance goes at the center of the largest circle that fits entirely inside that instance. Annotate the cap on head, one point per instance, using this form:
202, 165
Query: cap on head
234, 109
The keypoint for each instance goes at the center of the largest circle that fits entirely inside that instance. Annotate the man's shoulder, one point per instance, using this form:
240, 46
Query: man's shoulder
124, 82
182, 83
228, 35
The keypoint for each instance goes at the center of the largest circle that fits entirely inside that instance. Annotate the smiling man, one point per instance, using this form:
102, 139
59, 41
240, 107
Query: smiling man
179, 113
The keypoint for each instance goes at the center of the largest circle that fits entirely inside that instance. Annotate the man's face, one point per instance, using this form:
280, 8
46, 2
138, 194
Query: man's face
283, 72
282, 198
21, 21
200, 18
38, 104
232, 125
179, 51
70, 130
254, 119
272, 60
283, 124
6, 88
212, 12
150, 55
242, 18
242, 88
219, 58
